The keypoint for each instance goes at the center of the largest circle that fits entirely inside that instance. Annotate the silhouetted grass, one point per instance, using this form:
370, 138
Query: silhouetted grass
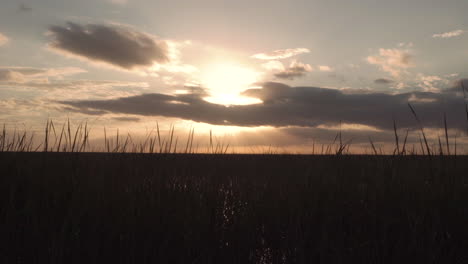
154, 200
212, 208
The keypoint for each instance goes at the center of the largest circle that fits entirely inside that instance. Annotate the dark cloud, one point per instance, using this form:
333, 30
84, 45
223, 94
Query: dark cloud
296, 70
459, 87
383, 81
83, 111
126, 119
296, 106
322, 135
117, 45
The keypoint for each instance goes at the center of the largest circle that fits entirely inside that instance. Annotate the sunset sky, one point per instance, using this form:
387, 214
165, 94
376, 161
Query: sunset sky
286, 74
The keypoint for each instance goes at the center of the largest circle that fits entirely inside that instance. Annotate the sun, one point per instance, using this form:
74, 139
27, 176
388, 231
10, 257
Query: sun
226, 82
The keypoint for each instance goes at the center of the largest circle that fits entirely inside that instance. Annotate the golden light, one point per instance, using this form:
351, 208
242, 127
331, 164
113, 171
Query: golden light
226, 82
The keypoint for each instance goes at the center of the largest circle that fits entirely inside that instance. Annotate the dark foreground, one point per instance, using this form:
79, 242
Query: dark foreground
137, 208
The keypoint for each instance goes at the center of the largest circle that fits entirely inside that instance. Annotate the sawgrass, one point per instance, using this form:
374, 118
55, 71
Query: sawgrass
224, 208
158, 200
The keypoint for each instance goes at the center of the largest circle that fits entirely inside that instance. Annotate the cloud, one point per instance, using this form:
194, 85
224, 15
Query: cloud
88, 86
325, 68
393, 61
295, 70
126, 119
285, 106
118, 2
117, 45
451, 34
274, 66
338, 77
22, 75
3, 39
61, 89
383, 81
406, 44
49, 84
431, 83
280, 54
24, 8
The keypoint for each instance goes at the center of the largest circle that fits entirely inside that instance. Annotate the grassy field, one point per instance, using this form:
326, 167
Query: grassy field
202, 208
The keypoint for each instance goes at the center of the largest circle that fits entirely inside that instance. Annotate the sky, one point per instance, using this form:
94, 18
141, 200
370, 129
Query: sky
283, 74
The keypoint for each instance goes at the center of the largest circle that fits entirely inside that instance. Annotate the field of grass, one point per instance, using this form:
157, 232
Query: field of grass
162, 200
213, 208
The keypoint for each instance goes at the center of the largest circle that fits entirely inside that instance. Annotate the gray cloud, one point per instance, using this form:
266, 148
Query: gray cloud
295, 70
24, 8
126, 119
459, 87
383, 81
120, 46
83, 111
285, 106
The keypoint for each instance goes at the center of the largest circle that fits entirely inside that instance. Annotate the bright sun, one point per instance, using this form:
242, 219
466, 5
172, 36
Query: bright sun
226, 81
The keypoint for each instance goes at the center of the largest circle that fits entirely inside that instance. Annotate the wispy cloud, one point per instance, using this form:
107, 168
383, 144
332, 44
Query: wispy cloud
393, 61
118, 2
116, 45
3, 39
22, 75
451, 34
280, 54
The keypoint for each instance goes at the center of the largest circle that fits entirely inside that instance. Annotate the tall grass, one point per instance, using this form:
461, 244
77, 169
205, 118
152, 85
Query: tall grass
119, 206
462, 85
76, 138
132, 208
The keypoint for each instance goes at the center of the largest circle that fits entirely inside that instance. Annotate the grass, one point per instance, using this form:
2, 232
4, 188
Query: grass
221, 208
160, 200
77, 139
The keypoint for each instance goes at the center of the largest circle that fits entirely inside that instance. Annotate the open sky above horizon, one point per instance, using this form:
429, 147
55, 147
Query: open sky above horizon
280, 73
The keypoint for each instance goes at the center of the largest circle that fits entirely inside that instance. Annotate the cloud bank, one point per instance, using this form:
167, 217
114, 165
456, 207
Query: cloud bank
116, 45
285, 106
280, 54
